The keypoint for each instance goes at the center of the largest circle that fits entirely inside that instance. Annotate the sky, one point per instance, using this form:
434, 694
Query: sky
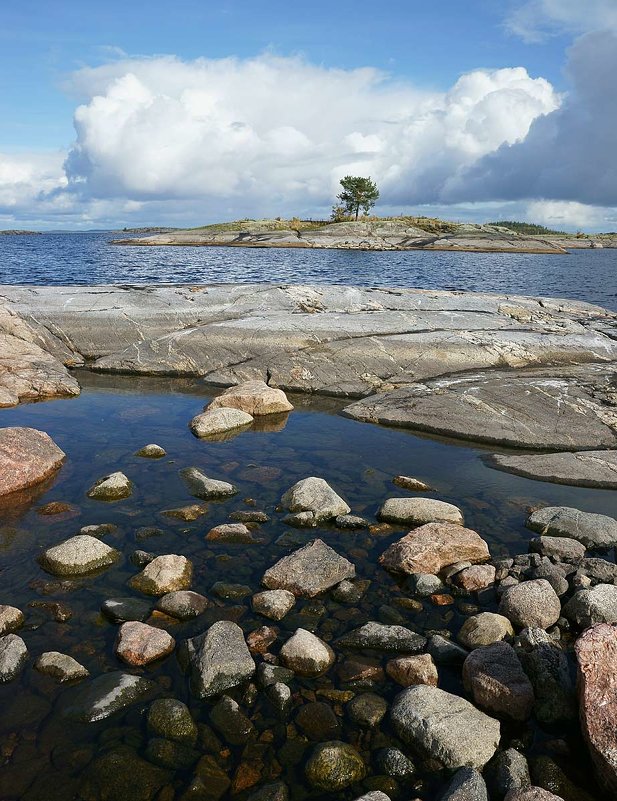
125, 114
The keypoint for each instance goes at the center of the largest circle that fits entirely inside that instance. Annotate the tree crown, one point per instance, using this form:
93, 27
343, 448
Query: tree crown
357, 193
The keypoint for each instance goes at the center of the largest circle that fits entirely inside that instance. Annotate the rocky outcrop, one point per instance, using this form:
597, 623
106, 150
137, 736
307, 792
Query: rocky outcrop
596, 469
27, 457
590, 529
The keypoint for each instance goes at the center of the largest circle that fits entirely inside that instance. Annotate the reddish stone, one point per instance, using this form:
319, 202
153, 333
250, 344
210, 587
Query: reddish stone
139, 644
261, 639
442, 599
430, 548
247, 775
410, 670
474, 578
27, 456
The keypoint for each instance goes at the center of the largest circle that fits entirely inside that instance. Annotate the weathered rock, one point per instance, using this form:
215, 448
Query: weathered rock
367, 709
108, 693
595, 605
200, 486
274, 604
306, 654
467, 784
170, 754
394, 763
333, 766
592, 530
13, 655
380, 637
494, 677
183, 604
192, 511
253, 397
531, 603
507, 771
309, 571
259, 640
475, 578
350, 592
61, 667
78, 555
598, 570
315, 496
138, 644
120, 610
171, 719
432, 547
547, 774
219, 421
121, 774
547, 667
113, 487
232, 532
596, 653
410, 670
578, 469
151, 451
27, 457
418, 511
444, 727
444, 651
249, 516
532, 794
317, 721
11, 619
164, 574
219, 659
558, 548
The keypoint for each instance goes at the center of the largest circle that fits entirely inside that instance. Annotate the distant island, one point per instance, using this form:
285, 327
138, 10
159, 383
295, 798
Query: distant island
377, 233
17, 232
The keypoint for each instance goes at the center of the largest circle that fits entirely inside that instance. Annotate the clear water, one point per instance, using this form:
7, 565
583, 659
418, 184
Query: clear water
589, 275
47, 760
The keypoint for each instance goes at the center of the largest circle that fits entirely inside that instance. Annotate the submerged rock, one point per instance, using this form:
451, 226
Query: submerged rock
432, 547
138, 644
418, 511
592, 530
333, 766
120, 775
183, 604
113, 487
381, 637
200, 486
318, 722
11, 619
219, 421
309, 571
61, 667
120, 610
13, 655
187, 513
101, 697
367, 709
444, 727
164, 574
151, 451
306, 654
274, 604
27, 457
171, 719
219, 659
253, 397
316, 497
232, 532
78, 555
411, 484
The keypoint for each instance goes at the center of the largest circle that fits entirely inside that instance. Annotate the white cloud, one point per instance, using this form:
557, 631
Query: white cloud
535, 20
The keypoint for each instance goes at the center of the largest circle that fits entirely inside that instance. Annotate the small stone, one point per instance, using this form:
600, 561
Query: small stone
187, 513
171, 719
273, 674
253, 397
333, 766
61, 667
316, 496
13, 655
445, 652
276, 791
317, 721
394, 763
260, 640
219, 659
531, 603
559, 548
425, 584
99, 529
595, 605
475, 578
164, 574
309, 571
467, 784
274, 604
138, 644
484, 628
120, 610
411, 484
507, 770
232, 532
230, 592
280, 697
380, 637
494, 677
183, 604
350, 592
419, 511
56, 508
78, 555
351, 522
367, 709
532, 794
200, 486
432, 547
113, 487
151, 451
169, 754
249, 516
306, 654
219, 421
11, 619
410, 670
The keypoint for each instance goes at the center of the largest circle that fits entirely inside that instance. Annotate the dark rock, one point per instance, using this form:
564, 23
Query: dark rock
494, 677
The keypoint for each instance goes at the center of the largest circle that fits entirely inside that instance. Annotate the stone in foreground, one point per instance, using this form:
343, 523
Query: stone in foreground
333, 766
494, 677
219, 659
444, 727
596, 653
467, 784
418, 511
164, 574
151, 451
60, 667
309, 571
27, 457
410, 670
219, 421
578, 469
315, 496
253, 397
78, 555
138, 644
485, 628
114, 487
171, 719
13, 655
531, 603
432, 547
306, 654
592, 530
201, 486
107, 694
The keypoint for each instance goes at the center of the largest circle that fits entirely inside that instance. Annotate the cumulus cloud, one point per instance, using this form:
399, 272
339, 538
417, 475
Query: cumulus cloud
535, 20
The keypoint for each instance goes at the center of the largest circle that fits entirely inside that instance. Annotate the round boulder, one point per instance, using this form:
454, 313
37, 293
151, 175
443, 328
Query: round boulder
306, 654
333, 766
531, 603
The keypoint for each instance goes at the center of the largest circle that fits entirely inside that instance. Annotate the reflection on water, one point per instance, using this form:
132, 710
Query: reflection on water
44, 758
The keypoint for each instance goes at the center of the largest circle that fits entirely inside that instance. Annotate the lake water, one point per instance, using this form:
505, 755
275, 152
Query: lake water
589, 275
47, 756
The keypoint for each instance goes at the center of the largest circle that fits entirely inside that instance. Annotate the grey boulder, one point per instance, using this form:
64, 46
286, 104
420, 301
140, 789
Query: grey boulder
309, 571
592, 530
219, 659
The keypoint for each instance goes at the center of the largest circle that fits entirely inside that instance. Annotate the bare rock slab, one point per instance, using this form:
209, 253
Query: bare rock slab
164, 574
27, 457
596, 653
315, 496
309, 571
444, 727
583, 469
592, 530
138, 644
431, 547
217, 421
418, 511
253, 397
78, 555
219, 659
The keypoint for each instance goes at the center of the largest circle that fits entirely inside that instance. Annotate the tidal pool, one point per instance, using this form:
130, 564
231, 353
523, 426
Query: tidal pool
47, 756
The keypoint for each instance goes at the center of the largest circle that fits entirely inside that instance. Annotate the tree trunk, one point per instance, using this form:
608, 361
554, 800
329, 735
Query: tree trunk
357, 211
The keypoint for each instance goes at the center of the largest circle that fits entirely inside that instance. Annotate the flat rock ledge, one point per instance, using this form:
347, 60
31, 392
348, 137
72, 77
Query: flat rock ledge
596, 469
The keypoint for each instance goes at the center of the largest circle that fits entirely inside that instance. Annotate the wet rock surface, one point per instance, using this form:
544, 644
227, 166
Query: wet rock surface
105, 695
218, 421
164, 574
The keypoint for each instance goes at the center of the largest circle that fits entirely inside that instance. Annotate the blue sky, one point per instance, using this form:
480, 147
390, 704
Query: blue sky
183, 113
